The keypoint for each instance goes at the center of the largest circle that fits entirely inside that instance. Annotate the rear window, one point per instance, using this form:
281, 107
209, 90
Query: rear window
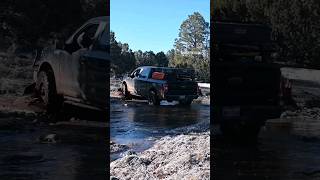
236, 33
235, 41
172, 73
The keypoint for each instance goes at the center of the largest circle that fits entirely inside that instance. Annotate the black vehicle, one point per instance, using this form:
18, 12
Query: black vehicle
161, 83
75, 71
246, 83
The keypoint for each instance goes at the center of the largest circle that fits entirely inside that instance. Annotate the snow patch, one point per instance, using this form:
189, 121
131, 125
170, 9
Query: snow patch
179, 157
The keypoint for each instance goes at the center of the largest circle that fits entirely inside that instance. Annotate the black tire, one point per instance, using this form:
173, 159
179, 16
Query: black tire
125, 92
46, 90
185, 102
153, 98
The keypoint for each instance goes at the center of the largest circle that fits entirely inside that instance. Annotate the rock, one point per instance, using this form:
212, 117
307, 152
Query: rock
50, 138
115, 148
114, 178
128, 153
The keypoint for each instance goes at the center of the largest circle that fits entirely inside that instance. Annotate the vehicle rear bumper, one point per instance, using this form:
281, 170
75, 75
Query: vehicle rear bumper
179, 97
248, 113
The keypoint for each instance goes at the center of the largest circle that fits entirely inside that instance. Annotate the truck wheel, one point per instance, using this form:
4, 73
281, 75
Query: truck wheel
153, 98
125, 92
46, 89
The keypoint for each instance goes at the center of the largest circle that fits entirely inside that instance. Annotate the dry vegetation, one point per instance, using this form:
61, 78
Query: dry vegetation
15, 73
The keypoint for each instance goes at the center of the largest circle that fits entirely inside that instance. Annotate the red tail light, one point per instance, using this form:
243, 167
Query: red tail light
165, 88
198, 90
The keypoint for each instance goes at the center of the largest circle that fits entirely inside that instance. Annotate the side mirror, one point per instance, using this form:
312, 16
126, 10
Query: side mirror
59, 44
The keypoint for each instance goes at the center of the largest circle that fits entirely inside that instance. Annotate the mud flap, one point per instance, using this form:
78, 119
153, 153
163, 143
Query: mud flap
29, 89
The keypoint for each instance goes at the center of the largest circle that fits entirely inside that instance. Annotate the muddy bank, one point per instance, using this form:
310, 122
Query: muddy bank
16, 72
305, 92
171, 157
21, 104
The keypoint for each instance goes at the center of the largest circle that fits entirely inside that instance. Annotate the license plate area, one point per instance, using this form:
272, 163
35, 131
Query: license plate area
230, 112
182, 97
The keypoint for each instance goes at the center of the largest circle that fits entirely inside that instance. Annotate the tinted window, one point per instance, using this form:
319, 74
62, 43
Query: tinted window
105, 38
88, 36
144, 73
174, 73
135, 73
88, 32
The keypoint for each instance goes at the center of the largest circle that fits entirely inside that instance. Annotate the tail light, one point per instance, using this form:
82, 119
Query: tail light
165, 88
285, 89
198, 90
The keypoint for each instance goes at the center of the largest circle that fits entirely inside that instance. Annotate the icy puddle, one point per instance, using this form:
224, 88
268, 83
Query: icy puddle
31, 149
137, 124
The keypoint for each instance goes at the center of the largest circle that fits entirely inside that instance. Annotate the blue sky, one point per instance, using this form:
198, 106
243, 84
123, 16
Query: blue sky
152, 24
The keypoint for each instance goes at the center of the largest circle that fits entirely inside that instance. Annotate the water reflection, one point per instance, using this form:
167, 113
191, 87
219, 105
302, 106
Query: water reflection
164, 116
78, 154
136, 123
287, 149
